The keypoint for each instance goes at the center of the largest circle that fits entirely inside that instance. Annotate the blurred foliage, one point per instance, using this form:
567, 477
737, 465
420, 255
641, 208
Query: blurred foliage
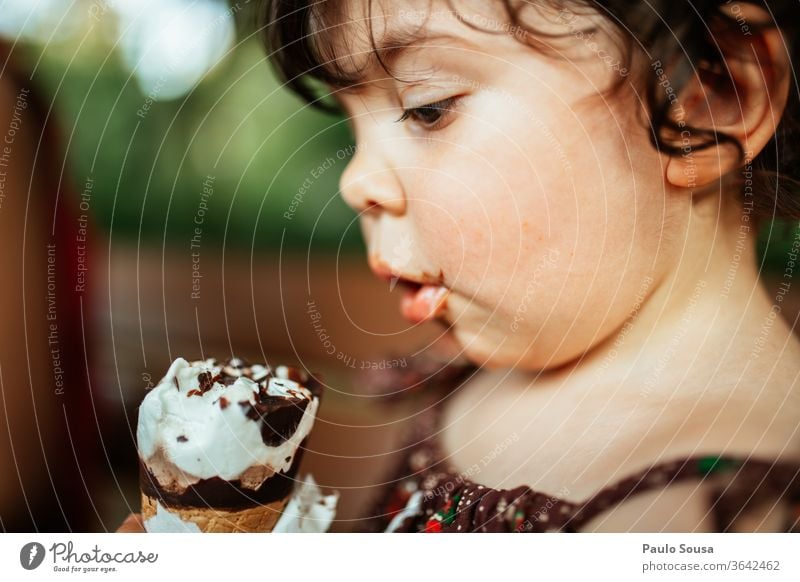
260, 144
778, 246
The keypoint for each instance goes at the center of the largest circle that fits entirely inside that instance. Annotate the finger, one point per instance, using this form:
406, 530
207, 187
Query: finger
132, 524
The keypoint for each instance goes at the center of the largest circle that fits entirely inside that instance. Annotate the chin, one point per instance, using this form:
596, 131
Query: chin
482, 352
480, 347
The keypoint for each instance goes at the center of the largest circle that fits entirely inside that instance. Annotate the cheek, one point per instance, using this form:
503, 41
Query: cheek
548, 228
499, 211
469, 227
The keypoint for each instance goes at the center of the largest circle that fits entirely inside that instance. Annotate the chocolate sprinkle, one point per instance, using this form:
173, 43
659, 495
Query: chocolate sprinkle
205, 382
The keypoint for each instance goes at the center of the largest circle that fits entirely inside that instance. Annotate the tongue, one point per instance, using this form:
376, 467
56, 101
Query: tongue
424, 304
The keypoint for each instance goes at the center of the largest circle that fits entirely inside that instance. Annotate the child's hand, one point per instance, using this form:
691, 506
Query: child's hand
132, 524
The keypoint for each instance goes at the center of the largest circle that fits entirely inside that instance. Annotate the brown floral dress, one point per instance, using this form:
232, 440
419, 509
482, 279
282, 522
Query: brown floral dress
426, 494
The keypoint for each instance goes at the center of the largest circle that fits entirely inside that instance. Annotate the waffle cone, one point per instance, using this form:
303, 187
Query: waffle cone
260, 518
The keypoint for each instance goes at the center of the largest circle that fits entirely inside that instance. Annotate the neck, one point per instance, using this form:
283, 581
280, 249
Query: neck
707, 313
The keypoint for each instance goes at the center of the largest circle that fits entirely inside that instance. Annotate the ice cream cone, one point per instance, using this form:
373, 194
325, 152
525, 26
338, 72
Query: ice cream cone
255, 519
220, 445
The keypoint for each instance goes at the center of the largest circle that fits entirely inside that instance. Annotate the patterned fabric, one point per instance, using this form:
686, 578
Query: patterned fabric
429, 496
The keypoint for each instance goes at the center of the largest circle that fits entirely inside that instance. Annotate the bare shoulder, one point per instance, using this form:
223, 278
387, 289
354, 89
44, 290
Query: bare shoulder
682, 507
764, 402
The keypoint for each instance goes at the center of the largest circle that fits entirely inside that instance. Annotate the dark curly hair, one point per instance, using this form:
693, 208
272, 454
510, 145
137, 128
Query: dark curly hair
671, 31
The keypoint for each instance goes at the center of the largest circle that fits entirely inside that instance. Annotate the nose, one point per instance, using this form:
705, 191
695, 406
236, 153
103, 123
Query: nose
369, 183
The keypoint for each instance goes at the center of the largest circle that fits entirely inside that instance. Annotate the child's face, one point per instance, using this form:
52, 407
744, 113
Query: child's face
538, 205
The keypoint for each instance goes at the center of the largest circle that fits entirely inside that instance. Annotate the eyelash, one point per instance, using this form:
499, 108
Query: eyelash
444, 107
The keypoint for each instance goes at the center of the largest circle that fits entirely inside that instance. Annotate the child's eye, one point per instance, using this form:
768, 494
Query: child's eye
432, 115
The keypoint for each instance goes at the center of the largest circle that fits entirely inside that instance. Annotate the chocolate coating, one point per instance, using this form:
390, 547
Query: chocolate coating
221, 494
279, 417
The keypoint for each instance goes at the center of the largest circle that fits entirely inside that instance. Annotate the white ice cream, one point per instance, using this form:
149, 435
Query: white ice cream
184, 438
308, 511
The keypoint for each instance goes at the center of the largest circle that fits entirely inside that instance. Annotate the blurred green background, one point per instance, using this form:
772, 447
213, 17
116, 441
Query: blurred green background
149, 148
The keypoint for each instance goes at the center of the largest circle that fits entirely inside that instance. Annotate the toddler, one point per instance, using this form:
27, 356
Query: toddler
576, 188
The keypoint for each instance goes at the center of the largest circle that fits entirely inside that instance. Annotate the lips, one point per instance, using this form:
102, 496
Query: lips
424, 297
422, 303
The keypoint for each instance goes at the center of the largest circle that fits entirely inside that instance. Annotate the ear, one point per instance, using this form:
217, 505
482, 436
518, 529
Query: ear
744, 99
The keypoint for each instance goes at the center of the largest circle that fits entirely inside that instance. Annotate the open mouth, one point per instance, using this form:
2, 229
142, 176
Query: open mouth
424, 304
424, 298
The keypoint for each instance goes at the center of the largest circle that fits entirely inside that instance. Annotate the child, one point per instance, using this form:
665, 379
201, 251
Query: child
578, 186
